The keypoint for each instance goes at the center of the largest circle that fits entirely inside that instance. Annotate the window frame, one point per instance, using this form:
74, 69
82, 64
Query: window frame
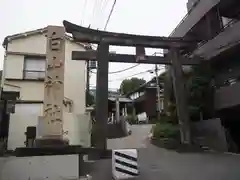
27, 57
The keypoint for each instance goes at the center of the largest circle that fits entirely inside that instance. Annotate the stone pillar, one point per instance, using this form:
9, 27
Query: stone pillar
52, 121
180, 96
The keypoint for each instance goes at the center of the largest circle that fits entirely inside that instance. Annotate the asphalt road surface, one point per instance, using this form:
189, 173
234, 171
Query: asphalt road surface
160, 164
136, 140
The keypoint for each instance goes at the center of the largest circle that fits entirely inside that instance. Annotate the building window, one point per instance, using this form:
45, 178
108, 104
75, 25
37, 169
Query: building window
34, 68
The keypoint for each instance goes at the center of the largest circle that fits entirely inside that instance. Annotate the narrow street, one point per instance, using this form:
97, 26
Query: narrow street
157, 163
136, 140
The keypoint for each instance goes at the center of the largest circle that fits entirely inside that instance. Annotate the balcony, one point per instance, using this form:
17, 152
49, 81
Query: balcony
225, 40
229, 8
227, 96
194, 15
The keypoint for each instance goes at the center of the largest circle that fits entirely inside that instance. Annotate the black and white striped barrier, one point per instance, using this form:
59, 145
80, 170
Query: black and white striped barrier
124, 164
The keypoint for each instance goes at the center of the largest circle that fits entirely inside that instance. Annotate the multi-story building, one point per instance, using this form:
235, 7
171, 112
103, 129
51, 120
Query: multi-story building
24, 72
216, 23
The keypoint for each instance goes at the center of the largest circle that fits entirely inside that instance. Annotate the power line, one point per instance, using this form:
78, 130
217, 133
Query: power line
129, 76
83, 12
97, 14
105, 2
101, 13
110, 14
122, 70
149, 70
93, 12
143, 72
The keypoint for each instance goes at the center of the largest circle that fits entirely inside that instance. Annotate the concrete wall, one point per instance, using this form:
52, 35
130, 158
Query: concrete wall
39, 167
14, 66
29, 90
194, 16
75, 76
25, 115
31, 44
191, 3
227, 96
77, 127
210, 133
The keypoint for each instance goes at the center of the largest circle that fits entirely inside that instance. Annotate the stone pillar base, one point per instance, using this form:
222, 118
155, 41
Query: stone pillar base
50, 141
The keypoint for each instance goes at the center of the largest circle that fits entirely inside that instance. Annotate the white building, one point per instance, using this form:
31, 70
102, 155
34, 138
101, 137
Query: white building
24, 71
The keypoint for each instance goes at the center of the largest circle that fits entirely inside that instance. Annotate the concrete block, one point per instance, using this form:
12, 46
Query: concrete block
39, 168
124, 164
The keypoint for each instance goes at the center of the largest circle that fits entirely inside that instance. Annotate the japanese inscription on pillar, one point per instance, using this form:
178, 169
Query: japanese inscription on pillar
54, 82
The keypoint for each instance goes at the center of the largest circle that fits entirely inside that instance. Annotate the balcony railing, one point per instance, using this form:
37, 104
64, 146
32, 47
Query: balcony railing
229, 24
32, 74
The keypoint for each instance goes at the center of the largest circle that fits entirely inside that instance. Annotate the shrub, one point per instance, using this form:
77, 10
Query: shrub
165, 130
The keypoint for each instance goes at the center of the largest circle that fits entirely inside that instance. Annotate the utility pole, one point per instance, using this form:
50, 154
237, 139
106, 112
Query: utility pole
158, 92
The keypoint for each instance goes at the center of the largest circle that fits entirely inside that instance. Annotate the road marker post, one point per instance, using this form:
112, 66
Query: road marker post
124, 164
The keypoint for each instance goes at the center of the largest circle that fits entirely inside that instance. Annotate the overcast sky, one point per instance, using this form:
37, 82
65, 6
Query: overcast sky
146, 17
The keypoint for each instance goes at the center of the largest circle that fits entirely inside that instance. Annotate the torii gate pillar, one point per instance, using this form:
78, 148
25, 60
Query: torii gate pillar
180, 96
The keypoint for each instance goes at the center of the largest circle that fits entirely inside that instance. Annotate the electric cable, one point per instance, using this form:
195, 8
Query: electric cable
122, 70
110, 14
83, 12
143, 72
93, 12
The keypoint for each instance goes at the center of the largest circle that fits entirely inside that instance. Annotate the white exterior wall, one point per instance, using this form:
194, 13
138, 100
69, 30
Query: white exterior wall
74, 82
27, 114
77, 127
33, 90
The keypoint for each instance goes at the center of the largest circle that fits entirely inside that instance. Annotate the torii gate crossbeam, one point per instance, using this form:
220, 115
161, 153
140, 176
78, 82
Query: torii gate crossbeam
126, 58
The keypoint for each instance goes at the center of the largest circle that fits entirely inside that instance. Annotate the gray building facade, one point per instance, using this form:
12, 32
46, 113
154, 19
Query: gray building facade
216, 24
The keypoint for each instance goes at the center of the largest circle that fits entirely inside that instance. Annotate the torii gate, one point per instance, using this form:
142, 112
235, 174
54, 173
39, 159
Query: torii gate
102, 56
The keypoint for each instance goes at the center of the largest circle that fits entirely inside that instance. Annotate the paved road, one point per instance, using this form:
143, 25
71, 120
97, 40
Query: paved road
136, 140
160, 164
156, 163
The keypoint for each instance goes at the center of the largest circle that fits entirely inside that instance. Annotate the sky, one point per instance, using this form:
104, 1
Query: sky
151, 17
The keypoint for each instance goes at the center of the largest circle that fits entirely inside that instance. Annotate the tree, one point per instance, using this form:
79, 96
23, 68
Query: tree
129, 85
199, 93
200, 97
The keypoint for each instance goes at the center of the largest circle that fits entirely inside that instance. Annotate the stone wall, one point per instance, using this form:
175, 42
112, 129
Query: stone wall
210, 133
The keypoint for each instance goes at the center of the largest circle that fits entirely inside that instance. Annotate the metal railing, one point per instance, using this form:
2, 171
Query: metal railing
229, 24
32, 74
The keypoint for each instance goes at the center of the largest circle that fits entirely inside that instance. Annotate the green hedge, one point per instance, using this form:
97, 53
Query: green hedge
164, 130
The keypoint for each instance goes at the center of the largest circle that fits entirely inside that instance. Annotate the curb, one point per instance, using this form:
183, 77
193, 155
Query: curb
226, 153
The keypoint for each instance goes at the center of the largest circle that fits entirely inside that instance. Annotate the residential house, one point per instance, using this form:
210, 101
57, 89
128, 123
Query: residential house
24, 72
145, 99
216, 24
